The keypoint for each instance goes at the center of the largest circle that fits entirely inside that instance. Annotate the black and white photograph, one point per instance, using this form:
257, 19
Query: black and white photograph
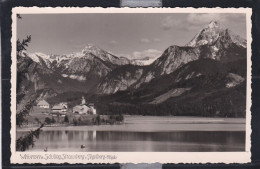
131, 81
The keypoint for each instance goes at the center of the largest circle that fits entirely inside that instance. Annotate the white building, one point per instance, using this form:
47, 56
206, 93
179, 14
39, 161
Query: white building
84, 109
58, 108
43, 104
64, 104
92, 109
81, 109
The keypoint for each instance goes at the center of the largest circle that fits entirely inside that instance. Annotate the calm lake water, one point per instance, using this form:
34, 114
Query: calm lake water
147, 134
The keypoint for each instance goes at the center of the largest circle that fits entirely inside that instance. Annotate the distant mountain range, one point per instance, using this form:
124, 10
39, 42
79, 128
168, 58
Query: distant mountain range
206, 77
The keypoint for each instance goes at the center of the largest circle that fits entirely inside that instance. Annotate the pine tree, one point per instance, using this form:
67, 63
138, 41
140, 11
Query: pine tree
21, 45
24, 142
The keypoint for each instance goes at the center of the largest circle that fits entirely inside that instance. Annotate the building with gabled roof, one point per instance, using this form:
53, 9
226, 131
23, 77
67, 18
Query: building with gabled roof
43, 104
58, 108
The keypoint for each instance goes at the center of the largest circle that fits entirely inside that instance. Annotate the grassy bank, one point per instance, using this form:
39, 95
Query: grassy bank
44, 116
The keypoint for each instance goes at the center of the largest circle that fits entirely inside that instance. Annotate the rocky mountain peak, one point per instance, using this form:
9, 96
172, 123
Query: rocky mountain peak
214, 27
214, 24
173, 47
99, 53
212, 32
89, 48
209, 34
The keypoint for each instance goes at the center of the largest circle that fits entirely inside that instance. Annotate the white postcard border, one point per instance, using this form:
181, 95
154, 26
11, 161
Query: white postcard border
129, 157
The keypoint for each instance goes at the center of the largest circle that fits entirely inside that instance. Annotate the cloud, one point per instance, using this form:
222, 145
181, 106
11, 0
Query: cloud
169, 22
202, 18
112, 43
198, 20
157, 40
144, 40
151, 53
195, 21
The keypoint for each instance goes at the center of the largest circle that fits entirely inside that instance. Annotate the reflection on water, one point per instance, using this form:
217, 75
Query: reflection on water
173, 141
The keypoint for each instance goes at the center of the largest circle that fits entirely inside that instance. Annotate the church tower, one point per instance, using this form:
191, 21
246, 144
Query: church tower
83, 101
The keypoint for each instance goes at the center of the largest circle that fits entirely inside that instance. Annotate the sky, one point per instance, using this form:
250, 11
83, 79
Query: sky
131, 35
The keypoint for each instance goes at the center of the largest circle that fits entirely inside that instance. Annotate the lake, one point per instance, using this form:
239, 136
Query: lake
147, 134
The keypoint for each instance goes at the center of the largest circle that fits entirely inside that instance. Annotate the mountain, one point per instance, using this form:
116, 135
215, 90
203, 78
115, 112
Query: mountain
92, 62
43, 76
213, 42
120, 79
212, 32
193, 90
104, 56
206, 77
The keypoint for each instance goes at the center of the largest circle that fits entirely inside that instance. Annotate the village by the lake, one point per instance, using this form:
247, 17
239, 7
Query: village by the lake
60, 114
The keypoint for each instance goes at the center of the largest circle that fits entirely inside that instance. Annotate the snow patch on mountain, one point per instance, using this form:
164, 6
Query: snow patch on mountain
77, 77
35, 58
172, 93
234, 80
90, 52
72, 76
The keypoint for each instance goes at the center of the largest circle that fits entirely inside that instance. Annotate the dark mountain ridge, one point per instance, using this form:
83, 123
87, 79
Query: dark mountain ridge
190, 90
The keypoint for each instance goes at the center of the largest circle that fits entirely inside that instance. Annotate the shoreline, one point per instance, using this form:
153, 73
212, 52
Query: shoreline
105, 128
158, 124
